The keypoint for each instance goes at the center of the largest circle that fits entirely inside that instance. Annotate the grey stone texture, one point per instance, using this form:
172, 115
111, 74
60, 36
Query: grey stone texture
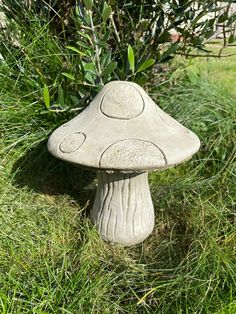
123, 134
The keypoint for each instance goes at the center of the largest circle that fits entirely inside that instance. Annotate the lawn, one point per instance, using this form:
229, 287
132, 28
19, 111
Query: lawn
51, 258
219, 71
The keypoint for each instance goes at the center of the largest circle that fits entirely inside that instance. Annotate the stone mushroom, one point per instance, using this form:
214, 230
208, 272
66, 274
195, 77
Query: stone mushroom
122, 135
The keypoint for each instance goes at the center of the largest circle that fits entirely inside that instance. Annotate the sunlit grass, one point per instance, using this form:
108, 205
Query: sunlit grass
51, 258
219, 71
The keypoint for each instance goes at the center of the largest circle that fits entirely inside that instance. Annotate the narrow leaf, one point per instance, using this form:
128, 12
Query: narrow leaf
90, 78
146, 64
223, 17
76, 50
84, 45
74, 99
84, 35
107, 10
46, 96
106, 59
88, 4
109, 69
61, 100
167, 55
131, 58
231, 38
68, 75
217, 9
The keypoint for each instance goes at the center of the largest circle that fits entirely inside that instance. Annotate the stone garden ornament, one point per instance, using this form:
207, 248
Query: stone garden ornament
122, 135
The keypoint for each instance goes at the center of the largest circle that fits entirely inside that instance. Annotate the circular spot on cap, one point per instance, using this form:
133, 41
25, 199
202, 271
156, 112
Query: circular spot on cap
132, 154
70, 143
122, 101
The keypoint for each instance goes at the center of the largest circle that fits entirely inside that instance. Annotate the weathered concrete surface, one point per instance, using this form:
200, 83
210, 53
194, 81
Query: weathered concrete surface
123, 134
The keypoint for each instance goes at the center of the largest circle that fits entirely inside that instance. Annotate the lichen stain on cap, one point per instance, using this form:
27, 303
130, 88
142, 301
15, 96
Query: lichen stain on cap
122, 101
132, 153
72, 142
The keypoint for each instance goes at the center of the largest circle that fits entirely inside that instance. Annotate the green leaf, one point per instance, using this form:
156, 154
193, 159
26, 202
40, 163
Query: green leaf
231, 38
101, 43
46, 96
84, 35
217, 9
106, 36
89, 67
106, 59
61, 100
164, 37
109, 69
84, 45
231, 20
68, 75
76, 50
171, 50
223, 17
74, 99
88, 4
146, 64
203, 49
90, 78
106, 13
131, 58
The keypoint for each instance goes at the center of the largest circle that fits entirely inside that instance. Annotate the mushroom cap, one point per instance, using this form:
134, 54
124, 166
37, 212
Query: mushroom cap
123, 130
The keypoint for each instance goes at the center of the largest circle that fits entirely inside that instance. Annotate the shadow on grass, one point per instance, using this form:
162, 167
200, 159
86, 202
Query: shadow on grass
43, 173
169, 242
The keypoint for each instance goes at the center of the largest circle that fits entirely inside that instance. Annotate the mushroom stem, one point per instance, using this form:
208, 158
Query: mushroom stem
123, 211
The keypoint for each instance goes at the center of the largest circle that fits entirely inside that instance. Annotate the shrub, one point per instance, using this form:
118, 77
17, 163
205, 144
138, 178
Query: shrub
65, 50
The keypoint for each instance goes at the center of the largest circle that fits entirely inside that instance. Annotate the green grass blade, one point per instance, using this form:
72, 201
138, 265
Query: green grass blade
46, 96
131, 58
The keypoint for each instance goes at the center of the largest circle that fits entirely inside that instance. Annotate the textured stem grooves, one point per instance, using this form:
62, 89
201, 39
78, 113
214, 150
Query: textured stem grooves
123, 211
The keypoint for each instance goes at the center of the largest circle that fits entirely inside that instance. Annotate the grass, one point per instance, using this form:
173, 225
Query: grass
219, 71
51, 258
